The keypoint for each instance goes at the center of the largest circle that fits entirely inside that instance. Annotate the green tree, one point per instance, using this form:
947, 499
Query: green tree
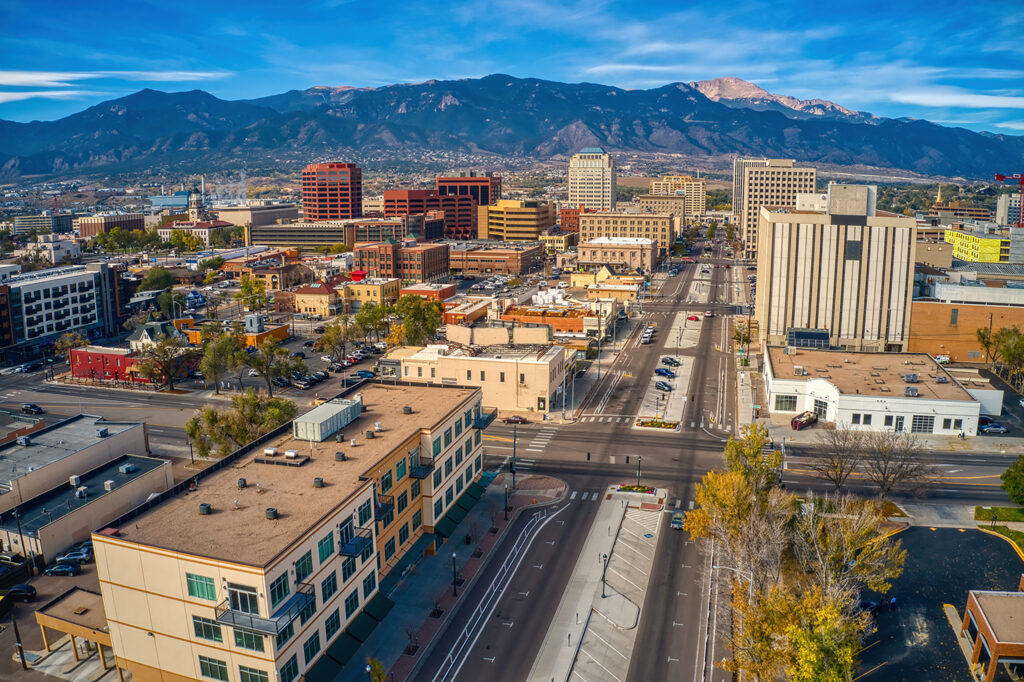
750, 456
252, 293
249, 417
420, 320
165, 360
211, 264
215, 300
1013, 481
373, 319
336, 337
823, 638
156, 279
271, 361
217, 358
68, 341
171, 303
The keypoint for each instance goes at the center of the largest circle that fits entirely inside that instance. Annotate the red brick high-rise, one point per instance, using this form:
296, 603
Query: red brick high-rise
332, 191
485, 188
460, 213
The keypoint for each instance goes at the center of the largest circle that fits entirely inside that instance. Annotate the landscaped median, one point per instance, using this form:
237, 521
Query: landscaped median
652, 424
1006, 515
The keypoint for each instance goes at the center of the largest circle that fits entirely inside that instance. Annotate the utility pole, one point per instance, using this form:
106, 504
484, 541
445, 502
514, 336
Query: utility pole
514, 426
638, 458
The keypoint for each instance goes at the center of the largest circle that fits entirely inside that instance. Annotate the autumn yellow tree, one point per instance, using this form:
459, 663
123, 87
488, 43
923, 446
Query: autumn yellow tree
750, 456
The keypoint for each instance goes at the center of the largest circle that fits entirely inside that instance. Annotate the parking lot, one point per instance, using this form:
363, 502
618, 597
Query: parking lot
915, 641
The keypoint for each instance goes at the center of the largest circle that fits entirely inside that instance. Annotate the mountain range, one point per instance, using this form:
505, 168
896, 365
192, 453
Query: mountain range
497, 114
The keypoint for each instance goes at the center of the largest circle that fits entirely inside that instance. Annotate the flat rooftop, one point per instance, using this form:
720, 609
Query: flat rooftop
1004, 612
528, 352
44, 509
619, 241
80, 607
56, 442
244, 535
881, 374
549, 311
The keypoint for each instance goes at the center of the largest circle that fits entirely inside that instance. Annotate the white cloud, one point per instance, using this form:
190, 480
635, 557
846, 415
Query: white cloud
63, 79
1012, 125
6, 97
957, 98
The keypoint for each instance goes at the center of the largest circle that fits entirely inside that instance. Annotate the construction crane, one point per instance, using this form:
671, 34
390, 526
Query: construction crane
1019, 178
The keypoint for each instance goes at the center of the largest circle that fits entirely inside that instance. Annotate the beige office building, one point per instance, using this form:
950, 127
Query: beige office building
692, 192
621, 253
379, 290
253, 571
766, 182
849, 270
592, 180
660, 228
684, 205
516, 220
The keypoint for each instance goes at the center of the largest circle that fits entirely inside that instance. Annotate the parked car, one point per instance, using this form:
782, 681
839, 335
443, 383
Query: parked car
994, 427
72, 558
982, 421
326, 358
63, 569
300, 383
667, 373
298, 354
662, 386
942, 359
31, 408
308, 344
670, 361
677, 519
364, 374
323, 376
253, 373
708, 313
320, 329
22, 592
803, 420
645, 339
693, 318
515, 419
350, 381
280, 382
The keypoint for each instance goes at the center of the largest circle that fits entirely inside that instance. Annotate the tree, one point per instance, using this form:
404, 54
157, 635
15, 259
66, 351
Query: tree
373, 319
249, 417
741, 335
272, 361
420, 319
335, 339
891, 460
839, 451
165, 360
252, 293
378, 673
1013, 481
757, 641
217, 358
823, 638
157, 279
171, 303
211, 264
215, 300
68, 341
751, 456
994, 344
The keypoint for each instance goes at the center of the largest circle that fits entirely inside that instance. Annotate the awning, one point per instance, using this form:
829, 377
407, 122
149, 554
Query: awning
379, 607
343, 648
324, 670
465, 502
475, 490
445, 527
362, 626
456, 513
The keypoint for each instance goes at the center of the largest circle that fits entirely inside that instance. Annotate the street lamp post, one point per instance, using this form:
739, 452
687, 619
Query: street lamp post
514, 426
638, 458
604, 573
749, 577
506, 501
369, 672
455, 578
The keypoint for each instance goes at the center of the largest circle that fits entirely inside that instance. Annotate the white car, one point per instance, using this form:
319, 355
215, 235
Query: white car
209, 288
253, 373
327, 358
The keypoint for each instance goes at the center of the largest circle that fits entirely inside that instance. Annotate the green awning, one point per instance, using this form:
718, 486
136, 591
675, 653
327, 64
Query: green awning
465, 502
343, 648
445, 527
324, 670
475, 490
362, 626
378, 607
456, 514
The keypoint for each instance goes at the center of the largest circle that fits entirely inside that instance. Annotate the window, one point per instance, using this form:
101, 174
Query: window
247, 674
482, 375
419, 371
325, 547
437, 447
386, 482
206, 629
437, 477
403, 502
867, 420
389, 549
303, 567
311, 648
501, 377
958, 424
351, 604
479, 463
417, 519
522, 378
201, 587
307, 611
448, 496
367, 552
458, 428
447, 437
785, 403
476, 438
329, 586
448, 467
888, 420
212, 668
438, 508
468, 418
403, 534
921, 423
414, 490
458, 484
332, 624
369, 585
469, 475
458, 456
247, 639
285, 635
952, 316
387, 518
947, 424
243, 598
365, 512
855, 419
469, 375
348, 568
973, 354
290, 670
400, 468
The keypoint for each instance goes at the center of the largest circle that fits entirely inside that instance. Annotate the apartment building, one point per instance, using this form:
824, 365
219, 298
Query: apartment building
692, 193
677, 204
1008, 209
252, 571
487, 259
380, 291
483, 188
408, 262
622, 253
332, 191
90, 226
513, 378
767, 182
460, 211
309, 235
320, 298
660, 228
45, 223
849, 270
592, 179
515, 220
977, 246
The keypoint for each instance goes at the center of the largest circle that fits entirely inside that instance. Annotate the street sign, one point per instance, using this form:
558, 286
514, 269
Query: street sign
756, 407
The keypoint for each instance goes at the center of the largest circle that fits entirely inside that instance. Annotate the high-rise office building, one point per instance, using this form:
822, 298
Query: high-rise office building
332, 191
515, 220
592, 179
460, 213
484, 188
1008, 209
848, 270
767, 182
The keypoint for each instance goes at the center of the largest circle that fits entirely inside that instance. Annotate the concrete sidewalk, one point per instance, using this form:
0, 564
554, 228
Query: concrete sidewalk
593, 634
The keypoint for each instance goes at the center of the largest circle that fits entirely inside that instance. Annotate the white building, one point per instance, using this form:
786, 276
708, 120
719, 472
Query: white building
592, 179
1007, 209
52, 248
907, 392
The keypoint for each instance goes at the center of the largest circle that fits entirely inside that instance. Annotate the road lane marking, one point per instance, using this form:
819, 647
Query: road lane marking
573, 496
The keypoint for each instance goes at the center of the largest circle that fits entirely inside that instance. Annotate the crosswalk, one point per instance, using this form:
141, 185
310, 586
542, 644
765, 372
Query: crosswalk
586, 495
604, 418
540, 440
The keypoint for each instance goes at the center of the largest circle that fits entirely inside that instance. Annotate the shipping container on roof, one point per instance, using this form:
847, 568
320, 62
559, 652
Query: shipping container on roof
322, 422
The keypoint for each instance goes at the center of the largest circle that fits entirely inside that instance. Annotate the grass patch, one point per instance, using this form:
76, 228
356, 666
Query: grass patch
892, 509
999, 513
636, 489
656, 424
1015, 536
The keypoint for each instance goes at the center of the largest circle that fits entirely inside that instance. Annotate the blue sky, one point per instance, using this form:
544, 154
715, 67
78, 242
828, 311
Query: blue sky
957, 63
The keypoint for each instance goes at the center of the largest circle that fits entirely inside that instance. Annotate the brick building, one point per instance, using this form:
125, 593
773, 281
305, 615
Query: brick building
408, 262
332, 191
90, 226
459, 210
431, 291
506, 259
569, 218
484, 188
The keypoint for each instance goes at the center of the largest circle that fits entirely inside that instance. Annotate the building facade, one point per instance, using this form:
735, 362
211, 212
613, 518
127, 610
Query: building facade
622, 253
483, 188
310, 235
592, 179
90, 226
257, 213
332, 191
692, 192
460, 211
319, 298
202, 229
975, 246
850, 271
407, 262
660, 228
1008, 209
46, 223
375, 290
515, 220
569, 218
488, 259
767, 182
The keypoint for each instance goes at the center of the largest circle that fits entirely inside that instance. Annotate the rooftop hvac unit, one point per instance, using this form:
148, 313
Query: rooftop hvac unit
24, 441
75, 480
270, 452
910, 392
81, 492
109, 485
798, 370
942, 379
126, 468
205, 509
910, 378
378, 427
291, 454
102, 432
271, 513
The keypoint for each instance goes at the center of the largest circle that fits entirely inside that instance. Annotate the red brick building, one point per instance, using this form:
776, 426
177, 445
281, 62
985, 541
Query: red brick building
459, 211
409, 262
332, 191
431, 291
569, 218
484, 189
104, 364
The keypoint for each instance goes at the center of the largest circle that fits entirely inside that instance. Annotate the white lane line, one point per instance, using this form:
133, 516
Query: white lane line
573, 496
594, 632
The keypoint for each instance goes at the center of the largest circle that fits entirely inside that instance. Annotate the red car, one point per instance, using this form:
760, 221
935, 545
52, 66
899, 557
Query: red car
728, 267
693, 318
515, 419
803, 420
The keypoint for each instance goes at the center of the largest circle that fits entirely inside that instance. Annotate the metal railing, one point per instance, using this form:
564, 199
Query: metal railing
383, 505
278, 621
355, 546
482, 420
421, 468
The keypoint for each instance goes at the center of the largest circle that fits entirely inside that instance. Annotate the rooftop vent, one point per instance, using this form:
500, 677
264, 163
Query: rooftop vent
798, 370
910, 392
205, 509
126, 468
340, 457
270, 452
377, 427
81, 492
109, 485
271, 513
318, 482
75, 480
102, 432
910, 378
407, 410
369, 434
291, 454
241, 484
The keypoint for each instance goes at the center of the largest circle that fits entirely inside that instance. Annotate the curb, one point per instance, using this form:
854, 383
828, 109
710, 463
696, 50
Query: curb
1013, 544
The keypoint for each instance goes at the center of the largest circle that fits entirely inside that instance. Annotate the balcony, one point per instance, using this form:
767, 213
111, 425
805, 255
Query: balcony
278, 621
354, 547
384, 504
482, 420
421, 468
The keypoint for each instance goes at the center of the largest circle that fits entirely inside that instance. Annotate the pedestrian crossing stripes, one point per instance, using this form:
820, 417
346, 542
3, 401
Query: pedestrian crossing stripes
585, 419
586, 495
648, 520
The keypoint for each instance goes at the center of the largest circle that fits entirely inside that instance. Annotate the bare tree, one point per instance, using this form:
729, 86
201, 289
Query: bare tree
839, 451
895, 460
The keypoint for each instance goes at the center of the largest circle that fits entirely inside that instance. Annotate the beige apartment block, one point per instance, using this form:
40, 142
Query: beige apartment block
677, 204
514, 379
516, 220
254, 568
373, 290
849, 270
592, 180
660, 228
690, 195
766, 182
622, 253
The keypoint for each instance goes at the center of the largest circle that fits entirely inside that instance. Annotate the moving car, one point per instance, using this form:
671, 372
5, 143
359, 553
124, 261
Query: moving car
667, 373
994, 427
708, 313
662, 386
670, 361
63, 569
803, 420
515, 419
645, 339
31, 408
693, 318
677, 519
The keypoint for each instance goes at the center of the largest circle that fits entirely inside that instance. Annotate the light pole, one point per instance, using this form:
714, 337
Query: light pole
604, 573
638, 458
514, 438
506, 501
749, 577
455, 578
369, 672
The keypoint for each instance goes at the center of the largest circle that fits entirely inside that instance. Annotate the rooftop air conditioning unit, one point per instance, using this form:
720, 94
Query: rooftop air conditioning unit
291, 454
75, 480
270, 452
911, 378
81, 492
941, 379
24, 441
910, 392
109, 485
798, 371
102, 432
126, 468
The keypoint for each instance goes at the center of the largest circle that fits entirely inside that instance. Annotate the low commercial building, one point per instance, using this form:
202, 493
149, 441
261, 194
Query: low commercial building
513, 378
622, 253
257, 213
937, 254
255, 330
951, 329
991, 629
619, 292
430, 291
905, 392
379, 290
465, 309
661, 228
278, 269
320, 298
309, 235
557, 241
495, 259
90, 226
408, 261
515, 220
593, 319
103, 363
255, 571
52, 249
569, 218
45, 223
202, 229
